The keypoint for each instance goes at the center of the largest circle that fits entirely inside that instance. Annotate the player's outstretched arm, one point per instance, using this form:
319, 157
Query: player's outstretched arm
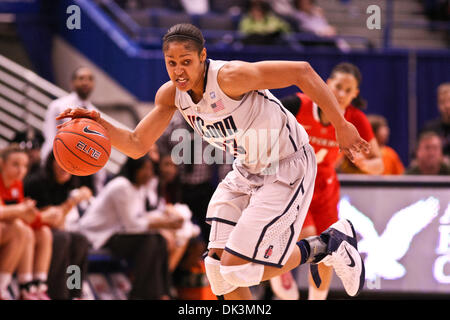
137, 143
237, 78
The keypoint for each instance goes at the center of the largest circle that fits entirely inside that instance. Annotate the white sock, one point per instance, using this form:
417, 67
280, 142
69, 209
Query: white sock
41, 276
316, 294
5, 280
24, 278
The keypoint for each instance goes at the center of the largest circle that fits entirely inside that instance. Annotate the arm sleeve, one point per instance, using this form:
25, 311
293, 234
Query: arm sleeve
292, 103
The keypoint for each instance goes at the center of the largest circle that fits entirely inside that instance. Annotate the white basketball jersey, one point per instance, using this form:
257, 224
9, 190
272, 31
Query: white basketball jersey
256, 129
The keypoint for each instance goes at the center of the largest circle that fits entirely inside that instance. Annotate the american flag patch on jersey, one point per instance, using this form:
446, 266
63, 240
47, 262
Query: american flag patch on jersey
218, 106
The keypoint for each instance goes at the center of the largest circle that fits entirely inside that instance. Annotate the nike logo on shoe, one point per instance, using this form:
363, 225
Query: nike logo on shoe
352, 262
87, 130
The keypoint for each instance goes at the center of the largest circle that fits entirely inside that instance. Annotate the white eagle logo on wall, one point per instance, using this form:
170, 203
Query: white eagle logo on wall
385, 250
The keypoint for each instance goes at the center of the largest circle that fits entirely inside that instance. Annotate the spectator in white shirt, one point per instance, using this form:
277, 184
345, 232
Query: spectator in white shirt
82, 87
118, 220
195, 6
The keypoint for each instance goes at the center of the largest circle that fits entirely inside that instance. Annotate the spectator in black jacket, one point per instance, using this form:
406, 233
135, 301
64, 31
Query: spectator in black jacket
441, 125
56, 190
429, 158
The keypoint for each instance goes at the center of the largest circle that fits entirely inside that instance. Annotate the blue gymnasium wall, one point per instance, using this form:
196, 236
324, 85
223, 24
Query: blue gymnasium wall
19, 6
385, 74
384, 78
432, 70
34, 30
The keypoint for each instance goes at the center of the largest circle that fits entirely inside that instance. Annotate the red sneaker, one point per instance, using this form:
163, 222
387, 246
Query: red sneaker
29, 294
42, 295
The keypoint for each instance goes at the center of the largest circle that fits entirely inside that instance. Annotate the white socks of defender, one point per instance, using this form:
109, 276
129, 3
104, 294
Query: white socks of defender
42, 278
24, 278
5, 280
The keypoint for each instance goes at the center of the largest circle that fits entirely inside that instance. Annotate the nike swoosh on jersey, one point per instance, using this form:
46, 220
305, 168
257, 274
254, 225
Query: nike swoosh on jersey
87, 130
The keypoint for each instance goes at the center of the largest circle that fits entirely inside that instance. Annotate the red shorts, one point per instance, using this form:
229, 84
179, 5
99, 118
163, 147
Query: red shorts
323, 210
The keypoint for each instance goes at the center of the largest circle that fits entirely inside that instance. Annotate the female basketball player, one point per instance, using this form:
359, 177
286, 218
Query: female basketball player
344, 82
257, 211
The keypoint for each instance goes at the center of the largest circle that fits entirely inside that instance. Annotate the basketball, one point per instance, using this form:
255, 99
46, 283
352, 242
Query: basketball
81, 147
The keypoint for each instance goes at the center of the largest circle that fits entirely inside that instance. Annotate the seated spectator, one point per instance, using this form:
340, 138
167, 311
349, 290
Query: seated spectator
260, 26
169, 184
13, 238
55, 192
308, 16
83, 84
441, 125
32, 141
198, 180
33, 265
190, 276
118, 220
169, 191
195, 6
391, 160
312, 19
429, 158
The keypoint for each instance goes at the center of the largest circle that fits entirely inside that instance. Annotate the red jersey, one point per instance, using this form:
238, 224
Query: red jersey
14, 195
323, 210
11, 195
323, 137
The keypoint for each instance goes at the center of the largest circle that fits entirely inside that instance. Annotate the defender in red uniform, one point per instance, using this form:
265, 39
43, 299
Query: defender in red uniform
344, 82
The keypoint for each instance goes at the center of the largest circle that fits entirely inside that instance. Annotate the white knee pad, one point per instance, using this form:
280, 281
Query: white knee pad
244, 275
219, 285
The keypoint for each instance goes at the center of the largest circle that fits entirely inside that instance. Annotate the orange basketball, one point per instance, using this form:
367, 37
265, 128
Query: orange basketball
81, 147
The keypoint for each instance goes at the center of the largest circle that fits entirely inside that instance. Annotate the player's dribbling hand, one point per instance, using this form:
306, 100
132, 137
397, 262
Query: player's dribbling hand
350, 142
78, 113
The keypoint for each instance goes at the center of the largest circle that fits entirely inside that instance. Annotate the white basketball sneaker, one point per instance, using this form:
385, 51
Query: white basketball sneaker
344, 257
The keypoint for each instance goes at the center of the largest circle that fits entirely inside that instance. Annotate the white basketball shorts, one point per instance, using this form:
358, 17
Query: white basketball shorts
259, 217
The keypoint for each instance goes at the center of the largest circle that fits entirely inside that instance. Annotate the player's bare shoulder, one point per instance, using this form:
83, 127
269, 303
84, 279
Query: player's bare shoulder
232, 76
231, 71
165, 96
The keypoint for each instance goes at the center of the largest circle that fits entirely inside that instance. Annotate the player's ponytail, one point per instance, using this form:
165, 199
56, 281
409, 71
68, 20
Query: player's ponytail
359, 102
349, 68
